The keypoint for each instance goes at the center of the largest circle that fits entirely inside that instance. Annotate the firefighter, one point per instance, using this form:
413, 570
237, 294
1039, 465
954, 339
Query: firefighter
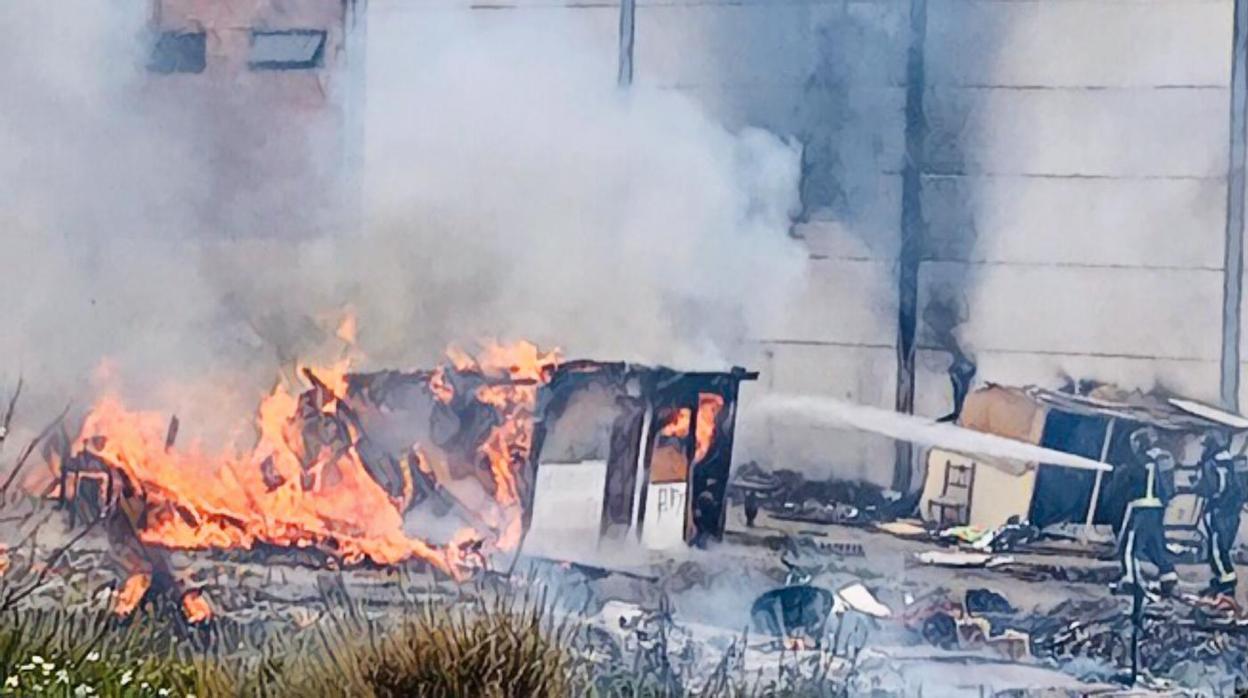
1224, 497
1148, 481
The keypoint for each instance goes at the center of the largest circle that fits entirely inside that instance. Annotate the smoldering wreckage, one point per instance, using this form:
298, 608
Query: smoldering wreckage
613, 483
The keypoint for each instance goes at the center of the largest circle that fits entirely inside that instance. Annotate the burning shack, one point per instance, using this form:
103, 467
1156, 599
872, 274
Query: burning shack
449, 466
626, 450
612, 450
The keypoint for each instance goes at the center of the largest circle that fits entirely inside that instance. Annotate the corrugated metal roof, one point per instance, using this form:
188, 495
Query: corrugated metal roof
1186, 415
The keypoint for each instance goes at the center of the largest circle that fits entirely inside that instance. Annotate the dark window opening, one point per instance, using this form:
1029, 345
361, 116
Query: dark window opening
178, 52
294, 49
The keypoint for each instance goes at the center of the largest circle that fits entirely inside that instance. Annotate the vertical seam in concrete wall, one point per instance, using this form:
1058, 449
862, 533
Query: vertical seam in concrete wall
912, 232
1232, 286
628, 12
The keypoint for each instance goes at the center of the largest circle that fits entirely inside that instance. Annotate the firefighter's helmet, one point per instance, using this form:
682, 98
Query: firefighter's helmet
1143, 439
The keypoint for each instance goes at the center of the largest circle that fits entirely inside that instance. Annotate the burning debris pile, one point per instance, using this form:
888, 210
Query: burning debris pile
326, 473
435, 468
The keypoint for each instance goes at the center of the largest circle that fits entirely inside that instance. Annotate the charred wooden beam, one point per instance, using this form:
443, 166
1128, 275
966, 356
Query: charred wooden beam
622, 475
8, 414
717, 466
30, 448
171, 434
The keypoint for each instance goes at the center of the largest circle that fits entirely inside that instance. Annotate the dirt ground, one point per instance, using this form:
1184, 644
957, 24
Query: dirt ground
711, 593
1046, 589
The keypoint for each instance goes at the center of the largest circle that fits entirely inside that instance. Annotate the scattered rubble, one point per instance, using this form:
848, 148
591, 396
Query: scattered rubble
790, 496
843, 620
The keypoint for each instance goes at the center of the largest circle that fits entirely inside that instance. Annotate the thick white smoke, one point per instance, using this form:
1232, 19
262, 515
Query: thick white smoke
511, 190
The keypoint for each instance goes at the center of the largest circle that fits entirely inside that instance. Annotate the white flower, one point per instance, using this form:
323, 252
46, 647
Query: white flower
163, 692
127, 677
26, 667
36, 659
62, 676
93, 656
145, 685
11, 682
82, 691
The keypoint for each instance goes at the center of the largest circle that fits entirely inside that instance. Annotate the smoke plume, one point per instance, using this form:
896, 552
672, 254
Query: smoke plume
510, 189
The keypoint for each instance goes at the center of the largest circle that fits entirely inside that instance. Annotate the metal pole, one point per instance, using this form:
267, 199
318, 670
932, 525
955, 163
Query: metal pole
628, 10
1137, 620
354, 106
1233, 263
1100, 475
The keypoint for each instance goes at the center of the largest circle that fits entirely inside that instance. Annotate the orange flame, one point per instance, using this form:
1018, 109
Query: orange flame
276, 494
709, 407
132, 592
795, 644
679, 421
509, 443
677, 425
304, 484
195, 607
441, 387
348, 329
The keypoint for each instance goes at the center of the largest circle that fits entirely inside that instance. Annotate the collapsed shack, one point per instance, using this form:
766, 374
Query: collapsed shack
461, 446
986, 493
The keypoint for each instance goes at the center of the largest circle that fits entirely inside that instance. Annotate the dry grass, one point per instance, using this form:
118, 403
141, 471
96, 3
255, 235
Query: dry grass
509, 646
488, 646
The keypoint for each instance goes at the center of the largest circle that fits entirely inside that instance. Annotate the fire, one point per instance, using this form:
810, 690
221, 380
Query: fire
709, 406
678, 423
795, 644
441, 387
131, 593
304, 484
348, 328
521, 369
521, 361
194, 500
195, 607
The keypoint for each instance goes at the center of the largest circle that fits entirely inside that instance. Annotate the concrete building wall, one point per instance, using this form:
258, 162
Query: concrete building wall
1072, 187
1075, 189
